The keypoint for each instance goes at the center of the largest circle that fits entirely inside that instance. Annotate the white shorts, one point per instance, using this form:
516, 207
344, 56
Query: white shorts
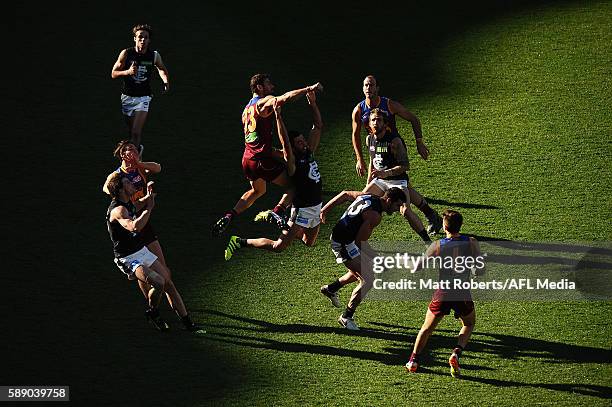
129, 264
344, 252
385, 184
308, 217
131, 104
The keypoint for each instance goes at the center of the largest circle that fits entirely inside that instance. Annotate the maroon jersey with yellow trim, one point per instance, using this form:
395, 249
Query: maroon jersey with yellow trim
257, 131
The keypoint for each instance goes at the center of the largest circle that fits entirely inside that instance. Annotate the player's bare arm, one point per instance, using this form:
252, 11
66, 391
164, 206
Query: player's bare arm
105, 186
118, 70
344, 196
284, 140
476, 252
150, 166
370, 162
356, 137
292, 95
121, 215
371, 219
398, 109
317, 122
162, 70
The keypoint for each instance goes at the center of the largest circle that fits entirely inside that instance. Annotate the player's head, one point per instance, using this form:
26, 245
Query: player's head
370, 86
394, 198
142, 35
118, 183
378, 120
261, 84
452, 221
298, 142
126, 151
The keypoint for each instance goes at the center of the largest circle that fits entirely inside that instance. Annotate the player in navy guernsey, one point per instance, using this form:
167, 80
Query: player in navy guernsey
138, 172
304, 171
388, 166
125, 221
390, 108
261, 163
136, 65
460, 249
349, 242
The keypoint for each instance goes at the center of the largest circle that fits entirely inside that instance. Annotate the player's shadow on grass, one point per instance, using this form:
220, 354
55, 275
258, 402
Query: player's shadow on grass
503, 346
467, 205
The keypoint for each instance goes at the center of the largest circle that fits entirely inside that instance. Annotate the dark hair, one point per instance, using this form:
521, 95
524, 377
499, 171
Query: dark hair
373, 77
115, 184
453, 220
293, 134
142, 27
395, 194
120, 148
258, 79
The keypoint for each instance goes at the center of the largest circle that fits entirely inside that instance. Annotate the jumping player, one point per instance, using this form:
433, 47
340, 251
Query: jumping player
260, 162
444, 300
304, 222
135, 66
360, 118
349, 243
138, 172
132, 256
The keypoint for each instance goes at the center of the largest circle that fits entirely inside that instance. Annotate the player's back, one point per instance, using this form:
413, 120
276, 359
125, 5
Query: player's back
349, 224
257, 130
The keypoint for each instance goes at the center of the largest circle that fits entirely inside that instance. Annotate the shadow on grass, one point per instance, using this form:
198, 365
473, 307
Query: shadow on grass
503, 346
468, 205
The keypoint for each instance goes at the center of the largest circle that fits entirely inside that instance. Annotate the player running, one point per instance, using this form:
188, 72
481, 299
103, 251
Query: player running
260, 162
304, 222
360, 118
349, 243
136, 66
454, 245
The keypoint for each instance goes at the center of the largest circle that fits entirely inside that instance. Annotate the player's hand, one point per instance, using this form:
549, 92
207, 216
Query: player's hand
311, 97
379, 174
150, 187
132, 69
131, 157
316, 87
151, 201
323, 216
360, 168
422, 149
276, 106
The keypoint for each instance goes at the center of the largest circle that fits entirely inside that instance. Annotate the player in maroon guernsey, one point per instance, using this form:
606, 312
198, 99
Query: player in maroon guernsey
449, 297
261, 163
303, 169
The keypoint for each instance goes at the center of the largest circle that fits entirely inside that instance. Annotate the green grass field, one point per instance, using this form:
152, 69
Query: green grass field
515, 106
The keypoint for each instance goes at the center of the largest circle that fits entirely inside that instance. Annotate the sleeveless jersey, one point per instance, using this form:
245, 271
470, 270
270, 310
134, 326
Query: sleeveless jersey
382, 105
124, 241
382, 157
139, 179
257, 130
307, 180
349, 224
140, 83
455, 247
